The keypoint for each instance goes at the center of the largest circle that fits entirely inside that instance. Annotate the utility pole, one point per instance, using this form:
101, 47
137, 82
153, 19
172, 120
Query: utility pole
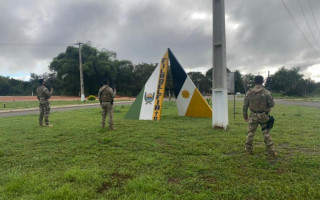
81, 73
268, 82
219, 71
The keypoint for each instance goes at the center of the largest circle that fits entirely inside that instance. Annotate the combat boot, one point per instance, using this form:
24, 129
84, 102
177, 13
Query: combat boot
271, 151
273, 155
248, 151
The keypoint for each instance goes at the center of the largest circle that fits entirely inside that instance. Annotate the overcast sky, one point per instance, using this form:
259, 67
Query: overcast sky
261, 35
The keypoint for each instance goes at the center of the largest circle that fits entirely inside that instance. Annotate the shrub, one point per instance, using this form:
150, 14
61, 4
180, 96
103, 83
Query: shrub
91, 98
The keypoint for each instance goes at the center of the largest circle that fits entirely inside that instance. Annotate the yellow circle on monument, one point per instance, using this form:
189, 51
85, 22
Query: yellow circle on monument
185, 94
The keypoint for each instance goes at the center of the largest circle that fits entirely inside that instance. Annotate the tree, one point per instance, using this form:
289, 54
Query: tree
202, 82
317, 89
288, 82
169, 84
310, 87
11, 86
209, 73
239, 85
51, 82
97, 66
140, 76
66, 66
124, 79
4, 86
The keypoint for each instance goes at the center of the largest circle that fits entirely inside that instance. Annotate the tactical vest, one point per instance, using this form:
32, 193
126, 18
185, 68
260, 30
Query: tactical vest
40, 93
258, 101
106, 95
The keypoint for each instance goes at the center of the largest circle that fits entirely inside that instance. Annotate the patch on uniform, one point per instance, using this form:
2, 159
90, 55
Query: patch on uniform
148, 97
185, 94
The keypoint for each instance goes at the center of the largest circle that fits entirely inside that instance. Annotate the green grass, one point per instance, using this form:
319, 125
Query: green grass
175, 158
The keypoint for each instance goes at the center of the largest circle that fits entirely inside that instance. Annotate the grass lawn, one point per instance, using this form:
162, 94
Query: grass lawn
175, 158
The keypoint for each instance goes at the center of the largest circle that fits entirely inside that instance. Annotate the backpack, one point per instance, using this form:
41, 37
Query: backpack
106, 95
256, 101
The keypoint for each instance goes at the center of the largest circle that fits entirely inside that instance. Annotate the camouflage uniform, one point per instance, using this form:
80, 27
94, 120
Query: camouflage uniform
43, 95
106, 95
259, 101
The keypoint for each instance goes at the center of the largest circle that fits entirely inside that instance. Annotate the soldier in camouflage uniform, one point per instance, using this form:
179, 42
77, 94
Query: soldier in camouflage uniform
106, 96
259, 101
43, 95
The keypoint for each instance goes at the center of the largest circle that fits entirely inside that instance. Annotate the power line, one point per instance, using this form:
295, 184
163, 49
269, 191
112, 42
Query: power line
314, 37
297, 25
313, 16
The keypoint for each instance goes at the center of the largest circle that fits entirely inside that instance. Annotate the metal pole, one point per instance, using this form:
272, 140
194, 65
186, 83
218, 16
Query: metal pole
219, 75
81, 73
234, 105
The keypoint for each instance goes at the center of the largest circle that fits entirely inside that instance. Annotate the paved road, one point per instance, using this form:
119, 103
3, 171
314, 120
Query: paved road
313, 104
55, 109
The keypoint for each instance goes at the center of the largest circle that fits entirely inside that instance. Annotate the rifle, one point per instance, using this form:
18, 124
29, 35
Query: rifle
114, 87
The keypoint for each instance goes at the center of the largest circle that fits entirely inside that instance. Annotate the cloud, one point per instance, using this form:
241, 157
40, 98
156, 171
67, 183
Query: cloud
266, 37
261, 36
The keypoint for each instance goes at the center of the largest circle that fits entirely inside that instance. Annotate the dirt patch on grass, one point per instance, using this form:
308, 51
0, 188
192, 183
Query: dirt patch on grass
281, 171
121, 177
208, 179
163, 143
283, 145
309, 151
174, 180
104, 187
232, 153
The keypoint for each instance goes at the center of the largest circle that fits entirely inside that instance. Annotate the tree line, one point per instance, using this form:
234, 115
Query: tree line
129, 78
